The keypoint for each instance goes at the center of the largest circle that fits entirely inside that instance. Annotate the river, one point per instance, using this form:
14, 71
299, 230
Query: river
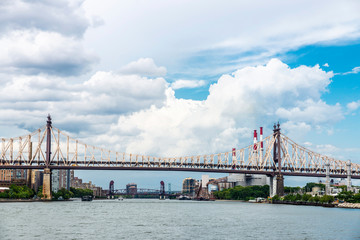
173, 219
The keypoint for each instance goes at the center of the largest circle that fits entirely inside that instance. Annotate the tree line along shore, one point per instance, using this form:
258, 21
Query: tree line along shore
26, 193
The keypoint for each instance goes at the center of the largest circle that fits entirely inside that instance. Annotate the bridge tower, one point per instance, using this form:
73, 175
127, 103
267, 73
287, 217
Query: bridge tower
277, 184
47, 171
162, 190
111, 188
348, 171
327, 181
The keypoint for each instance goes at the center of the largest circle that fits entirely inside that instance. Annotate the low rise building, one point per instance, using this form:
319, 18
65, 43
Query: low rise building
247, 180
78, 183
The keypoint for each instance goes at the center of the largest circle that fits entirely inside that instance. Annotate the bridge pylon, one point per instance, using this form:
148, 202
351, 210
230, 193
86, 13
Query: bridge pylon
46, 191
348, 172
279, 188
327, 177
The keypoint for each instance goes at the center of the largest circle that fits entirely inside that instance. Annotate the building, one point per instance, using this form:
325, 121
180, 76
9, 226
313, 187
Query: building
5, 175
55, 184
247, 180
12, 176
61, 179
190, 186
36, 179
76, 182
131, 188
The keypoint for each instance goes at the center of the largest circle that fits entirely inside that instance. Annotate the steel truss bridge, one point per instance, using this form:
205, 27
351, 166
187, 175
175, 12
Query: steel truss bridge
51, 148
139, 191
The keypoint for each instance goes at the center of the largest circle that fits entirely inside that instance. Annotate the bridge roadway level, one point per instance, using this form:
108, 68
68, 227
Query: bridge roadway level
304, 173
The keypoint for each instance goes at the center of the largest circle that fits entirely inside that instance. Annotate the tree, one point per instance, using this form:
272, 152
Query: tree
243, 193
63, 193
347, 196
79, 192
326, 199
306, 197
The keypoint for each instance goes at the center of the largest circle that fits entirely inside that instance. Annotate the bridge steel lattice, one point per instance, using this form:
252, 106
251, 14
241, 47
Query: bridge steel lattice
50, 148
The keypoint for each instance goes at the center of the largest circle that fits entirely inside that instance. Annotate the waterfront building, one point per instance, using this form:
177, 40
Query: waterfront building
5, 175
12, 176
60, 179
247, 180
190, 186
78, 183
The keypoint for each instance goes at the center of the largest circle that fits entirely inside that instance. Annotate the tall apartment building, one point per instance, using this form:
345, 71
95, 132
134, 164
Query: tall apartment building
189, 186
61, 179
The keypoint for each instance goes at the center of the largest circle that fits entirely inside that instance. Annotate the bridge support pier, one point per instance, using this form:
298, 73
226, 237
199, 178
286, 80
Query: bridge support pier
272, 186
28, 178
348, 171
279, 185
46, 191
276, 185
327, 182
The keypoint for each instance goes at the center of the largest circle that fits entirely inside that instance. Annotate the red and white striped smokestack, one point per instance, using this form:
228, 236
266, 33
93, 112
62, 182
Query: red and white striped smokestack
255, 140
234, 152
261, 138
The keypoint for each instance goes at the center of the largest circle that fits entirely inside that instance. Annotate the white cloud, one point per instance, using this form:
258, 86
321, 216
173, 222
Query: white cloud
355, 70
178, 84
62, 16
315, 112
353, 106
143, 67
326, 65
235, 105
86, 106
183, 40
34, 52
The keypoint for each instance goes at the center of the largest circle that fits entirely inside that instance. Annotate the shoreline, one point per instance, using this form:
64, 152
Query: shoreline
327, 205
7, 200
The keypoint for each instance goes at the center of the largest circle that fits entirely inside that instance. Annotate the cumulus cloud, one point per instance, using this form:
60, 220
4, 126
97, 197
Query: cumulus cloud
236, 104
44, 37
353, 106
178, 84
141, 115
34, 52
78, 107
309, 111
143, 67
63, 16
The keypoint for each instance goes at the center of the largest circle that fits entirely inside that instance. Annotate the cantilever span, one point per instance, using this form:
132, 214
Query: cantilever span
279, 155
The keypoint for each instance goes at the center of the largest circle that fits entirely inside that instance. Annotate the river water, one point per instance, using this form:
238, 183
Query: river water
173, 219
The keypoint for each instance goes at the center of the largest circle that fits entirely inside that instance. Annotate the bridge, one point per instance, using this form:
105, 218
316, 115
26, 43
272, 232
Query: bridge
140, 191
276, 156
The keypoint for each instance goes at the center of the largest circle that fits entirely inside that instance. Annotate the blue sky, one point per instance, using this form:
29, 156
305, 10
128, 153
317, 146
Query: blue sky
182, 77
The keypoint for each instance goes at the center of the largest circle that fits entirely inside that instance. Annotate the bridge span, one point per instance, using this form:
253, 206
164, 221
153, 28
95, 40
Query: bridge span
275, 156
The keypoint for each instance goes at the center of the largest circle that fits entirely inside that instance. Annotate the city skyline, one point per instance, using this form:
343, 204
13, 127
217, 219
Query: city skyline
178, 78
